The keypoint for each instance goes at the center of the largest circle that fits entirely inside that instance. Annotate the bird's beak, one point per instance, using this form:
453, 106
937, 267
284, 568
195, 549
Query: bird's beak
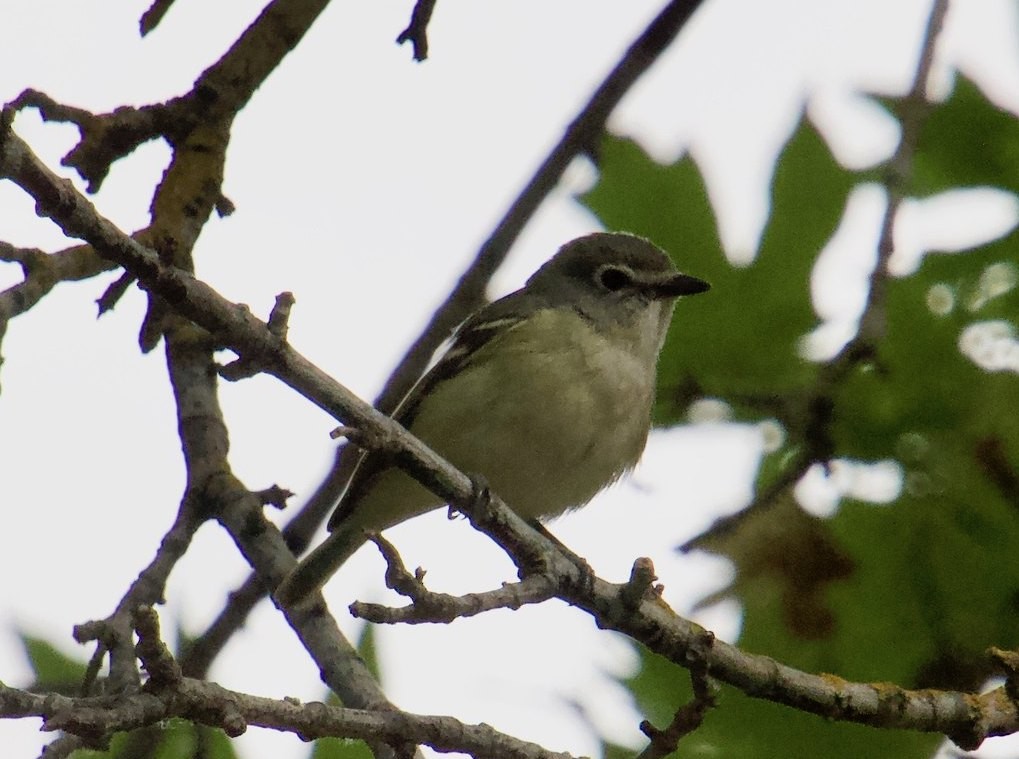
674, 285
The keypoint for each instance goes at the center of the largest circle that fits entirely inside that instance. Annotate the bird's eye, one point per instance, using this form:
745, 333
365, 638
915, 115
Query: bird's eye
613, 279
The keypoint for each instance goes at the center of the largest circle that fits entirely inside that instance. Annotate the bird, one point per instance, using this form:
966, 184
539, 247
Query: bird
545, 395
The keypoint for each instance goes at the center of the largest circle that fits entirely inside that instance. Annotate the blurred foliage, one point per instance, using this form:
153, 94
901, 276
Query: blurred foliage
176, 738
913, 591
172, 739
54, 670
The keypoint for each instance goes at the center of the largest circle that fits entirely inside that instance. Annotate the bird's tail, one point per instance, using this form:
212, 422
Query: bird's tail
318, 566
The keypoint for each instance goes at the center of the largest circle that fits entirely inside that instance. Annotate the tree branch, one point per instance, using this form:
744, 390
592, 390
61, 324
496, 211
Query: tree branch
815, 406
687, 718
897, 174
427, 606
217, 96
42, 272
151, 18
168, 694
113, 634
965, 718
417, 31
197, 127
209, 704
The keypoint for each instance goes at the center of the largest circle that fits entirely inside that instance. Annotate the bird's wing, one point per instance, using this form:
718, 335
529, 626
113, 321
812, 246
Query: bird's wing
496, 319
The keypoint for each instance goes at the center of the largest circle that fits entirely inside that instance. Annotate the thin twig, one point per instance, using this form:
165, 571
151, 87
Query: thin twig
688, 717
763, 501
218, 94
113, 634
168, 694
417, 30
42, 272
817, 405
899, 169
151, 18
429, 607
112, 295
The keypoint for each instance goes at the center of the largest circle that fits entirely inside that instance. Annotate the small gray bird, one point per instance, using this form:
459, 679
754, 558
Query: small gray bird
546, 393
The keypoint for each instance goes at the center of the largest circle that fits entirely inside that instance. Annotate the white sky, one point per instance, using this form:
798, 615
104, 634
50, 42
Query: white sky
364, 183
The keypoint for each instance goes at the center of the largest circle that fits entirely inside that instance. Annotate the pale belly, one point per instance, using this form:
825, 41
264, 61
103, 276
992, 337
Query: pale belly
548, 445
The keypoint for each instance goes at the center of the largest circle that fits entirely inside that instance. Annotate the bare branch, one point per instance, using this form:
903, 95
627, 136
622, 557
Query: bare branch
66, 745
104, 137
965, 718
278, 325
188, 193
441, 608
113, 634
159, 663
274, 496
417, 31
686, 719
900, 167
210, 704
429, 607
151, 18
217, 96
114, 293
42, 272
168, 694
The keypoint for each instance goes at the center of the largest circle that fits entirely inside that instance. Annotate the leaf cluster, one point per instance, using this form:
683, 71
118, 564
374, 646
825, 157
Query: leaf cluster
913, 591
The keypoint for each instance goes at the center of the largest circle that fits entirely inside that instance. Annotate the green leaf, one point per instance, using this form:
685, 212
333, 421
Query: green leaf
366, 649
749, 728
171, 739
340, 748
742, 337
215, 744
911, 592
53, 669
967, 141
940, 562
177, 739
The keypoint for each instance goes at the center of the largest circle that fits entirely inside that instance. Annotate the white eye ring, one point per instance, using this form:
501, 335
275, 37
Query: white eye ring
613, 278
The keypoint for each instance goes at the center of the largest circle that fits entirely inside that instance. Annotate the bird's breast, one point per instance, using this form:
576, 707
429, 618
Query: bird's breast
549, 415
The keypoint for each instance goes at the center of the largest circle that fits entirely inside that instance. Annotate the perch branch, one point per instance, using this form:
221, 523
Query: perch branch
168, 694
429, 607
